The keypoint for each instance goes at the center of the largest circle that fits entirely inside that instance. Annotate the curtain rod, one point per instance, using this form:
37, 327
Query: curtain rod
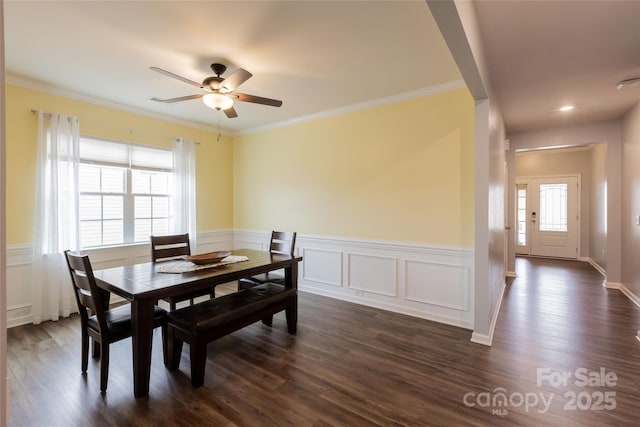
69, 119
122, 128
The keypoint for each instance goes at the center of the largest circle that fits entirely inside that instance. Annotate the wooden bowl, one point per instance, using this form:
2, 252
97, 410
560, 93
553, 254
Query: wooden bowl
208, 258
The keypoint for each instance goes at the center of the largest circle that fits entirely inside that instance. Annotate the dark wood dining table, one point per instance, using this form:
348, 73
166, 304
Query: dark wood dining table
143, 285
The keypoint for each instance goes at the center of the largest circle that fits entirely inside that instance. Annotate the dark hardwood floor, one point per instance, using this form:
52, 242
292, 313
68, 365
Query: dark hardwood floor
355, 365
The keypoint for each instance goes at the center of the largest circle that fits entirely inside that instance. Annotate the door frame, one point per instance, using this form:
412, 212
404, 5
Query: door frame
527, 180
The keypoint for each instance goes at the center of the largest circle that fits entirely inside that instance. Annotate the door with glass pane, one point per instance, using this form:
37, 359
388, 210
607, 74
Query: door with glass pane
553, 219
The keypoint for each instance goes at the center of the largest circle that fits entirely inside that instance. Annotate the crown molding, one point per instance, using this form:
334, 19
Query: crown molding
28, 83
431, 90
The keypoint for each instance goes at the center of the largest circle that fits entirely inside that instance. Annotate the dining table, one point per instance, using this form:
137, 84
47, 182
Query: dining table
144, 284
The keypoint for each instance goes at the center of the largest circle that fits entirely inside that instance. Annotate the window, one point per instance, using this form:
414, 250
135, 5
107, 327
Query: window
553, 207
125, 192
521, 215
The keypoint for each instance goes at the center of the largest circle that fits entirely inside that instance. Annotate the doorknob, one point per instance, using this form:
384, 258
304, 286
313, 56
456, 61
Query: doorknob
506, 227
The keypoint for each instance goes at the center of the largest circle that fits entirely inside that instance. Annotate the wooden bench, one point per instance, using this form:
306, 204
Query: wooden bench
201, 323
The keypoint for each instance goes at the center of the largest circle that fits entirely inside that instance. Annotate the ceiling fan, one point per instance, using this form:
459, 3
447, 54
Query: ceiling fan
220, 91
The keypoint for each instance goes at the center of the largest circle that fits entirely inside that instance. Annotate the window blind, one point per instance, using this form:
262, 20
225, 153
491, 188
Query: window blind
100, 151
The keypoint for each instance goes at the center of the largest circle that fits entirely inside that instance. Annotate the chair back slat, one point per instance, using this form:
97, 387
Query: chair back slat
86, 299
168, 247
282, 242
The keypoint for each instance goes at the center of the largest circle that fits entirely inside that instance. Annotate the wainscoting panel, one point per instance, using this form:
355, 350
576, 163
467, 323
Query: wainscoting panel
322, 266
450, 287
430, 282
375, 274
19, 277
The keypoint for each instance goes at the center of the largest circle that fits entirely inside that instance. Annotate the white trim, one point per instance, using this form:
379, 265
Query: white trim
487, 339
432, 90
27, 83
19, 315
611, 285
594, 264
447, 320
633, 297
464, 251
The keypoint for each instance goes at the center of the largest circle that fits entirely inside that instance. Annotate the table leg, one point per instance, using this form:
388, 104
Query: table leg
291, 281
291, 276
141, 342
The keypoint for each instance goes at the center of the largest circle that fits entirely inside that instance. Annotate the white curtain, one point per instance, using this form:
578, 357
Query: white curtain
56, 214
184, 162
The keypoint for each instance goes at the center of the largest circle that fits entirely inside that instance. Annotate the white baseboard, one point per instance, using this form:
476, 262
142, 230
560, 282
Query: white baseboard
487, 339
633, 297
448, 320
594, 264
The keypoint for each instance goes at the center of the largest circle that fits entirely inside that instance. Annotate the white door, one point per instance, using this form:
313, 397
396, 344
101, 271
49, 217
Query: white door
554, 221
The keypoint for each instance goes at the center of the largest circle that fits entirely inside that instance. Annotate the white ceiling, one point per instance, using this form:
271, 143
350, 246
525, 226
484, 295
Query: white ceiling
321, 56
545, 54
316, 56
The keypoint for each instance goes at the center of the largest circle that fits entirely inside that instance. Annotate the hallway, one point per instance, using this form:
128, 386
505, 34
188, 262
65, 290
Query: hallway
557, 319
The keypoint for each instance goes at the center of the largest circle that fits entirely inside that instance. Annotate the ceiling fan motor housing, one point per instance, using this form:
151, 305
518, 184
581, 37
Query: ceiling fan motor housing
212, 83
219, 69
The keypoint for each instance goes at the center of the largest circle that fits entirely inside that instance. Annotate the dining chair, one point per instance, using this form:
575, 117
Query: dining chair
281, 242
165, 248
103, 325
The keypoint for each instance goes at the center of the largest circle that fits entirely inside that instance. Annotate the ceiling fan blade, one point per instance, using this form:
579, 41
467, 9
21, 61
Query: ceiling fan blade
177, 77
236, 79
257, 99
181, 98
230, 112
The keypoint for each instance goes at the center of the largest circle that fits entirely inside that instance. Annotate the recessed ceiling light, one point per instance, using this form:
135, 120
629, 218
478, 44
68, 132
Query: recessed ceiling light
567, 108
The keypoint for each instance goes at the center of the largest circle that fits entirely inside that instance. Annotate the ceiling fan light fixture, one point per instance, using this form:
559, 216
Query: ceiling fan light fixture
217, 101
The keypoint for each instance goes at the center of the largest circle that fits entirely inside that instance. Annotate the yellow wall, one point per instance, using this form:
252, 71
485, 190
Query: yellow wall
214, 159
399, 172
